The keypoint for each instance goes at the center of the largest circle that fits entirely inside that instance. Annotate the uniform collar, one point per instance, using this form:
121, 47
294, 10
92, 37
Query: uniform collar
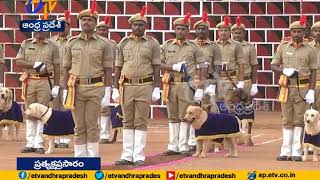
295, 45
34, 40
84, 36
244, 43
179, 42
135, 37
202, 42
224, 42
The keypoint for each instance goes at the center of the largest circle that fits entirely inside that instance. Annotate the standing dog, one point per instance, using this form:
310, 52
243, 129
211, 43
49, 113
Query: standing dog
312, 133
56, 123
211, 126
10, 114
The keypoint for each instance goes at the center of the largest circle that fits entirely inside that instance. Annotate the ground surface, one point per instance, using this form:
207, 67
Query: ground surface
267, 137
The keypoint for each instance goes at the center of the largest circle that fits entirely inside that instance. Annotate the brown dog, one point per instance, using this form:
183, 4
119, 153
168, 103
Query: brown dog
312, 131
10, 114
198, 118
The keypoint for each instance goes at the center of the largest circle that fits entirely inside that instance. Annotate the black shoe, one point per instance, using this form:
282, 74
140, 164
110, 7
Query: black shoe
139, 163
192, 148
170, 153
28, 150
186, 153
56, 145
283, 158
63, 145
123, 162
40, 151
104, 141
296, 158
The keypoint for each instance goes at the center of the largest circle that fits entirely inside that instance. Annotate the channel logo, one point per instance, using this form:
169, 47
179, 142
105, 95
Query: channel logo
171, 175
252, 175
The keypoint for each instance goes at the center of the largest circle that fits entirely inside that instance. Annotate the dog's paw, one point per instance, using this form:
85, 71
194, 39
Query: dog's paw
315, 159
48, 152
216, 150
304, 158
195, 155
202, 155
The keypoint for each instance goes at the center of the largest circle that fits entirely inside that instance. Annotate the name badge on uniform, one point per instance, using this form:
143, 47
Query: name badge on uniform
171, 51
289, 53
31, 48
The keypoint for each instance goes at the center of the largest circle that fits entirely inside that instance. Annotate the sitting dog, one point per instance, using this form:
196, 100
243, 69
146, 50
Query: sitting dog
10, 114
210, 126
312, 133
56, 123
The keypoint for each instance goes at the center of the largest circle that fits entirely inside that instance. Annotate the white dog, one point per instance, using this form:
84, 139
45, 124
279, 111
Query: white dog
57, 123
10, 114
312, 133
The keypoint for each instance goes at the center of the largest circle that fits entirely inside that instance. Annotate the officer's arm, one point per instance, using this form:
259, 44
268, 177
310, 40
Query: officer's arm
117, 72
56, 65
156, 75
107, 76
240, 61
254, 73
20, 61
254, 65
66, 66
56, 74
277, 60
156, 63
65, 77
313, 79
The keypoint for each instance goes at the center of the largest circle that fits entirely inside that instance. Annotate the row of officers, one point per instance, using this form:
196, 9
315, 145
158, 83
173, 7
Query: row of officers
82, 66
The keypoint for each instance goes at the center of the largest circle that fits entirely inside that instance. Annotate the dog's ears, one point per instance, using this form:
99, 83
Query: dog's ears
305, 116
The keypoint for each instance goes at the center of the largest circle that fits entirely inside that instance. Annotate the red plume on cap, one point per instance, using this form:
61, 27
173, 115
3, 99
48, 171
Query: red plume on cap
93, 7
226, 20
143, 11
186, 18
67, 14
107, 20
205, 16
238, 21
303, 20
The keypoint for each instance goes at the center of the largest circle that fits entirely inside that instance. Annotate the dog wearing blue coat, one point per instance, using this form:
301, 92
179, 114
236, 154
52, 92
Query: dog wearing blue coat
209, 126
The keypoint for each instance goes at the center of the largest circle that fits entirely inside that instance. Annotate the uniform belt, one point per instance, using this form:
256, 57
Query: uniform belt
40, 75
177, 79
226, 74
301, 81
89, 80
138, 81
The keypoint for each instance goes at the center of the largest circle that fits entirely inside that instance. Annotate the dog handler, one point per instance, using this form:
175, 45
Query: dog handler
39, 58
297, 62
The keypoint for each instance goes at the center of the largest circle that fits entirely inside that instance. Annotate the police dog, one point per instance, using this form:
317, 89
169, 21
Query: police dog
197, 117
10, 114
56, 123
312, 131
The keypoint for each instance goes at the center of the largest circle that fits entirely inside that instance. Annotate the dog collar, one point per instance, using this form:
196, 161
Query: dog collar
44, 113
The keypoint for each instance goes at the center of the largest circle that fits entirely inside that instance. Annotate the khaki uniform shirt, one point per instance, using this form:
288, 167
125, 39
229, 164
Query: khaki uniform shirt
137, 55
211, 53
46, 52
232, 54
1, 55
188, 51
250, 55
86, 58
316, 46
303, 58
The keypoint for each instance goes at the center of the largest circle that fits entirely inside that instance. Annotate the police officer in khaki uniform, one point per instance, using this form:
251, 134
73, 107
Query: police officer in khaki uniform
39, 57
138, 65
102, 29
60, 40
250, 72
1, 66
315, 30
232, 75
177, 53
214, 61
298, 61
89, 60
